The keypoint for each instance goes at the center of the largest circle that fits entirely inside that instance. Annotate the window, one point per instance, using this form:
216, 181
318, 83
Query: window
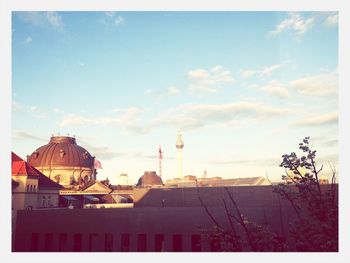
141, 242
214, 244
27, 188
43, 202
159, 243
48, 242
196, 243
92, 241
77, 242
125, 243
34, 188
177, 243
108, 242
34, 243
62, 243
49, 201
31, 188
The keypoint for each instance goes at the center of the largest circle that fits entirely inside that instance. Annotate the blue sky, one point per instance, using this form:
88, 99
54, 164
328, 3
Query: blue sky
244, 87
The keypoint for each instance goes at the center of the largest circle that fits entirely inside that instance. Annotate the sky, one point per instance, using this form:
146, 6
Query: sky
243, 88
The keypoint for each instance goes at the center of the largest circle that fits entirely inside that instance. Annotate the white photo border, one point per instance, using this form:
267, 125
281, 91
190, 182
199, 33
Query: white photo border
6, 8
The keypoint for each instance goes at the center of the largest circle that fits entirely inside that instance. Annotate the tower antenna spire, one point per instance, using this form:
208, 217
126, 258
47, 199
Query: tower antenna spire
160, 157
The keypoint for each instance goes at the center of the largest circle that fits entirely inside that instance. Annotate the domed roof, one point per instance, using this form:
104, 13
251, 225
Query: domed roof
149, 178
61, 151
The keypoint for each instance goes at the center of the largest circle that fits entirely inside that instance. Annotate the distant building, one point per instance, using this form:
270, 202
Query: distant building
123, 179
193, 181
150, 179
96, 194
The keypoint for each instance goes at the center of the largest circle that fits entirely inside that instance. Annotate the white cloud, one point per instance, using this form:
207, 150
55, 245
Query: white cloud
16, 106
186, 116
159, 95
32, 109
326, 141
319, 120
101, 152
57, 110
73, 119
190, 116
263, 72
331, 143
209, 81
171, 91
52, 19
19, 135
198, 74
105, 153
28, 40
332, 20
294, 22
276, 88
36, 112
217, 69
119, 21
317, 85
131, 114
248, 73
112, 19
110, 13
252, 86
128, 118
251, 161
267, 71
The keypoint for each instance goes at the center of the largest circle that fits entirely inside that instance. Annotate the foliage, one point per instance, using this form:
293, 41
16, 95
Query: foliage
242, 235
316, 226
316, 208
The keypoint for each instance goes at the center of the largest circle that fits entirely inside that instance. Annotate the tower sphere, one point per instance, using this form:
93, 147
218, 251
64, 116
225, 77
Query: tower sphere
179, 142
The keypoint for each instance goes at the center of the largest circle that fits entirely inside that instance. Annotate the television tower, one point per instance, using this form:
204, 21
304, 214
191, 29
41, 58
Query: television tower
179, 146
160, 157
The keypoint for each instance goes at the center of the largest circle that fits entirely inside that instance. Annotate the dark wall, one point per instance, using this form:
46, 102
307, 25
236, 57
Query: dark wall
176, 219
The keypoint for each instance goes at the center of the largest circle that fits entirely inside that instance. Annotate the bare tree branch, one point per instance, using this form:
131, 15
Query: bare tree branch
207, 210
241, 220
229, 217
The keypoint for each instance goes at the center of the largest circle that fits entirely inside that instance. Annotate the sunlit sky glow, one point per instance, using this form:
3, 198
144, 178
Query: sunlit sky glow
244, 88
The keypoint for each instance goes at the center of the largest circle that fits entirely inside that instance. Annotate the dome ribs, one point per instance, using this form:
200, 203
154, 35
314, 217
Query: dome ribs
49, 154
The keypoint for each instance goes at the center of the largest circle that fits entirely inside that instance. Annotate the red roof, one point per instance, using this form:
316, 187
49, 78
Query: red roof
22, 168
15, 157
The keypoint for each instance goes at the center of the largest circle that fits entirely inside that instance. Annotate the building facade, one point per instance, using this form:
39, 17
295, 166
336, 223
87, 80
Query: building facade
33, 189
